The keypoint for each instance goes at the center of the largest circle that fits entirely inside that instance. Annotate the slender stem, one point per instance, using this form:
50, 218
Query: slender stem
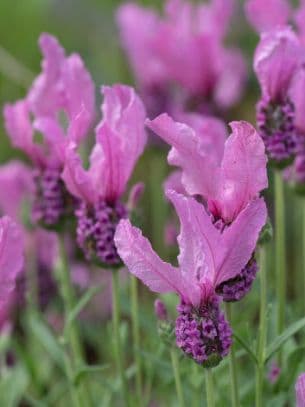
175, 365
73, 338
233, 366
116, 317
262, 330
280, 254
209, 385
136, 334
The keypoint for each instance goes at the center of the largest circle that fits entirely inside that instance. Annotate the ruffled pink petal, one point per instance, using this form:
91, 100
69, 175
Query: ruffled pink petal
300, 391
46, 94
300, 20
275, 62
140, 259
215, 17
231, 81
243, 171
138, 27
19, 128
54, 137
173, 182
239, 240
121, 139
199, 243
297, 94
17, 188
267, 15
189, 154
79, 96
77, 180
11, 256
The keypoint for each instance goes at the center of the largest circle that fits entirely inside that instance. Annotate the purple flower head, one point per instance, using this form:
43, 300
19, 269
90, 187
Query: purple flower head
120, 140
228, 175
276, 62
300, 391
265, 16
169, 54
11, 257
63, 87
207, 258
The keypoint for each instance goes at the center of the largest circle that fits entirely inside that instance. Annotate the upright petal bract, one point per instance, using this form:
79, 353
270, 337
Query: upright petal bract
265, 16
239, 240
276, 59
243, 171
143, 262
188, 152
300, 391
11, 256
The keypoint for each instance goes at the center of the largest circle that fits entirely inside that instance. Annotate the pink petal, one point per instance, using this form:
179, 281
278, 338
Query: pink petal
11, 256
297, 94
239, 240
188, 153
232, 79
199, 245
19, 128
300, 391
267, 15
243, 171
17, 188
79, 95
173, 182
77, 180
138, 27
275, 62
216, 16
53, 135
46, 96
121, 139
140, 259
300, 20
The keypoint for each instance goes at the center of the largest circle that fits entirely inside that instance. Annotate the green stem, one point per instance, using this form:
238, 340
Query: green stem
209, 385
136, 334
233, 365
116, 317
280, 254
175, 365
73, 338
260, 371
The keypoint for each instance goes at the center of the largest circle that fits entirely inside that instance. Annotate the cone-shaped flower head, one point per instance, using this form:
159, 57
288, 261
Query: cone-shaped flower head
180, 57
276, 62
120, 140
227, 178
11, 257
207, 258
300, 391
63, 87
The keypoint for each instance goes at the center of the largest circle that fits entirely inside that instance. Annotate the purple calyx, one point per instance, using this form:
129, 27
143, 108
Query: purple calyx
95, 230
275, 123
52, 201
203, 333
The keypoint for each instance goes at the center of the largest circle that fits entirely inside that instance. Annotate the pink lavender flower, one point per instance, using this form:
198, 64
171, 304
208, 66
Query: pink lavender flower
227, 178
63, 87
120, 140
274, 372
300, 391
207, 258
276, 62
180, 58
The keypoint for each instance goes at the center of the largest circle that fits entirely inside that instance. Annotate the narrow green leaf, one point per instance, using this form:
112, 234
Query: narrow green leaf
84, 370
44, 335
81, 304
247, 347
280, 340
